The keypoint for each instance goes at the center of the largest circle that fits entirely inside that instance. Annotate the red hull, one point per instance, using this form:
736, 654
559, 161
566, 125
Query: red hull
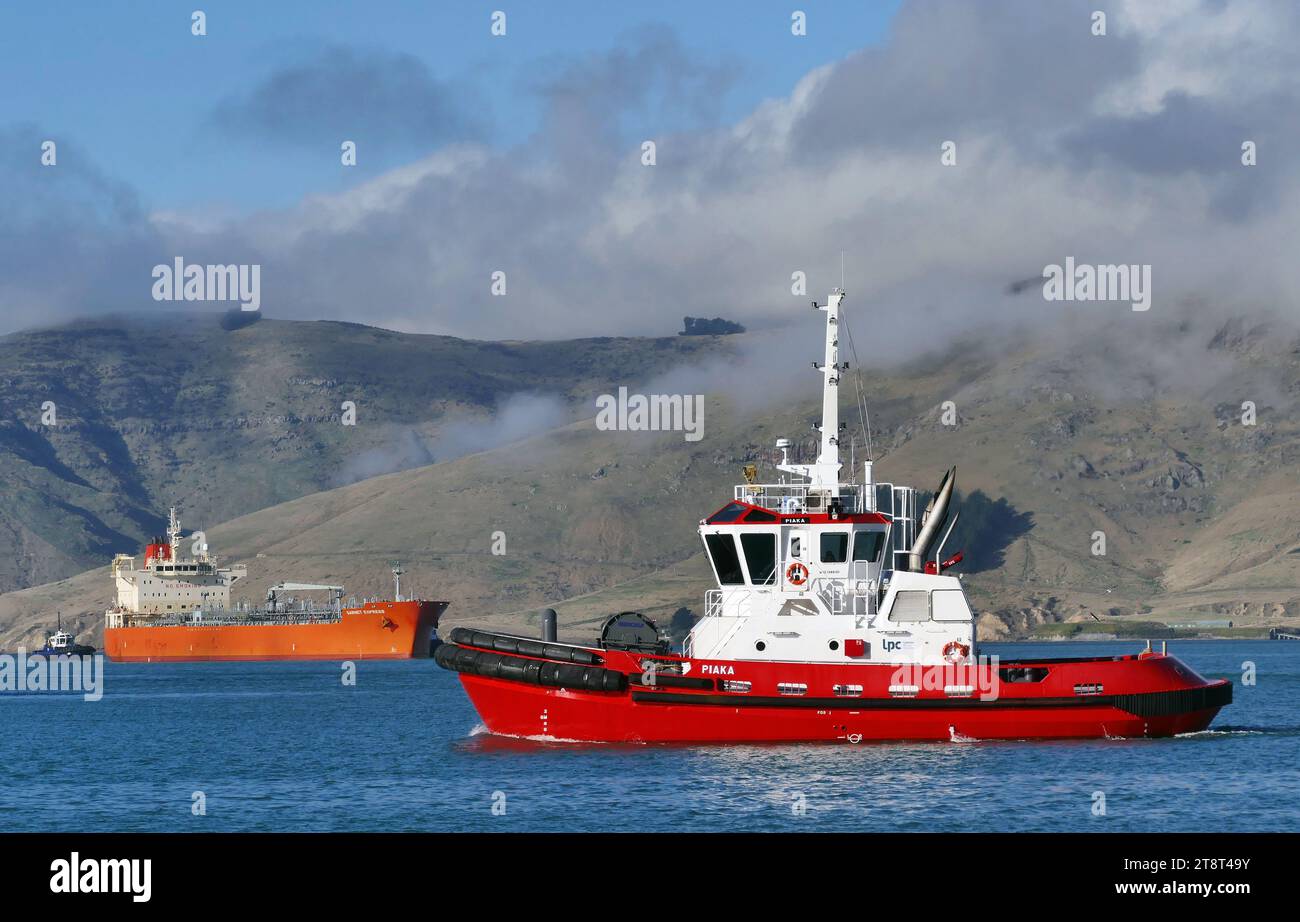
1151, 695
377, 630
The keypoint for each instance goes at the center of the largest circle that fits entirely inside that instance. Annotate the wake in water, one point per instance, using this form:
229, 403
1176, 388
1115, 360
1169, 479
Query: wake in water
482, 737
1241, 731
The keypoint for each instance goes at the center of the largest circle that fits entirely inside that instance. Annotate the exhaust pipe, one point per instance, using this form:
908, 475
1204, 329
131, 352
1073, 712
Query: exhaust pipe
936, 512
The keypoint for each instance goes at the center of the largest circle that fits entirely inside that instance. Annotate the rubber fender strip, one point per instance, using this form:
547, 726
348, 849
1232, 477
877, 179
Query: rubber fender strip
524, 646
1181, 701
530, 671
1147, 704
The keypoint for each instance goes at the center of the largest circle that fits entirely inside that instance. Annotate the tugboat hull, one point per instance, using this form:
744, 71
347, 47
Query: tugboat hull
1151, 695
581, 717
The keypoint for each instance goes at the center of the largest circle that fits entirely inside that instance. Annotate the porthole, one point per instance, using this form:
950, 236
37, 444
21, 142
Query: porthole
835, 644
760, 646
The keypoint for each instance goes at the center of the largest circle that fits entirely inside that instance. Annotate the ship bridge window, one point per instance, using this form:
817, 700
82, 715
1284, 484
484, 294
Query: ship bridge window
760, 557
867, 544
760, 515
911, 605
722, 551
729, 513
835, 547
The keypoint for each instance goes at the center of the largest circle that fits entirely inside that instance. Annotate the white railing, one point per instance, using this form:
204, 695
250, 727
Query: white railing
863, 590
739, 605
856, 595
831, 592
901, 510
790, 498
714, 608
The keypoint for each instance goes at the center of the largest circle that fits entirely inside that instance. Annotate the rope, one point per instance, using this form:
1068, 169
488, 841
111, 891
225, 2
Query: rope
860, 400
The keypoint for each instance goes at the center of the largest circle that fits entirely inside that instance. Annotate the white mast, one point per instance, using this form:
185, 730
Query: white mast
825, 473
174, 533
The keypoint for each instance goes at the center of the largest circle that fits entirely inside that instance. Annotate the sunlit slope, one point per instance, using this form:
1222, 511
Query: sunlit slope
1086, 494
105, 423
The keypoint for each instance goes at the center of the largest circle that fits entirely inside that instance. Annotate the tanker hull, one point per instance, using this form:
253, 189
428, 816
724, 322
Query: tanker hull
377, 630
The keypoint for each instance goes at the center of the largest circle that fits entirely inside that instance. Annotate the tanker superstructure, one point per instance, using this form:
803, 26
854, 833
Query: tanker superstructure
178, 608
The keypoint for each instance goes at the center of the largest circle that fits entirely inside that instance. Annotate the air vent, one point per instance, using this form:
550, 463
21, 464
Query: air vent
904, 691
735, 685
791, 688
959, 691
848, 691
1094, 689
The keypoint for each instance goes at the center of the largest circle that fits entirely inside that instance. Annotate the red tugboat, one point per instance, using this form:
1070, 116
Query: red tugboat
833, 619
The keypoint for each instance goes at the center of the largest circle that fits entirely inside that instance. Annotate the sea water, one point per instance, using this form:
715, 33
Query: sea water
291, 746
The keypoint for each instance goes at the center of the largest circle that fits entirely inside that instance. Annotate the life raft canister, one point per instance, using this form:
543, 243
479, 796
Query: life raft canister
955, 652
796, 574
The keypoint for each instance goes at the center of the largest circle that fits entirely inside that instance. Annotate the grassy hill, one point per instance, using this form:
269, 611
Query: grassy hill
1054, 443
174, 408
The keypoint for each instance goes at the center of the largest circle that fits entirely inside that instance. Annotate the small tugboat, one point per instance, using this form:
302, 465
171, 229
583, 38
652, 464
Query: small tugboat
62, 643
834, 619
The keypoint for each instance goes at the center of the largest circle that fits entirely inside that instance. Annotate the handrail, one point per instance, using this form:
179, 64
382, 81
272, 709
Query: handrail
794, 497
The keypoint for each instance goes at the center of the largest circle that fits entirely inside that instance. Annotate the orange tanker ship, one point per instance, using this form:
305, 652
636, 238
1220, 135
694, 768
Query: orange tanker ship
176, 609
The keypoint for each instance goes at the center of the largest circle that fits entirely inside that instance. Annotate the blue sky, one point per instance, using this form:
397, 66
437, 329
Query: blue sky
521, 155
125, 84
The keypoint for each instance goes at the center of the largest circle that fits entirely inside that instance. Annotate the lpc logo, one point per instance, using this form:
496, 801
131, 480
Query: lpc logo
103, 875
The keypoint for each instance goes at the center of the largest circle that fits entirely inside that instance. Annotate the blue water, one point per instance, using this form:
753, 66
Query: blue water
286, 746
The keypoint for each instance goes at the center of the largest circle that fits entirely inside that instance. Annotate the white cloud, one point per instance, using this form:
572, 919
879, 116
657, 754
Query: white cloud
1067, 145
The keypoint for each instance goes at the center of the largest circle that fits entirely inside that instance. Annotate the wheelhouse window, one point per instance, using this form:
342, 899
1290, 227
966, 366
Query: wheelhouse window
729, 513
867, 544
760, 557
911, 605
722, 551
835, 547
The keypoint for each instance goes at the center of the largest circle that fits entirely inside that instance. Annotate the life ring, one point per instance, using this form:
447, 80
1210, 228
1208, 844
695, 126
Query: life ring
955, 652
796, 574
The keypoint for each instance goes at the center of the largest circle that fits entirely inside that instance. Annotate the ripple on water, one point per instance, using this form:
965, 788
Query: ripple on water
287, 746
